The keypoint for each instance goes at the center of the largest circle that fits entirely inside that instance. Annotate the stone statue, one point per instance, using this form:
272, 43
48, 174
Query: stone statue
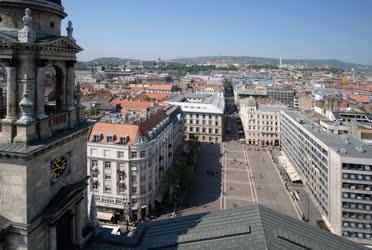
93, 220
27, 19
26, 106
77, 95
70, 30
27, 35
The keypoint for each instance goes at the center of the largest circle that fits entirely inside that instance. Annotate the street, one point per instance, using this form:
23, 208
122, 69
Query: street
232, 174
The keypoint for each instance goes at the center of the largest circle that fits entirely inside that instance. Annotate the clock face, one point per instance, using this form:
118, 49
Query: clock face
58, 167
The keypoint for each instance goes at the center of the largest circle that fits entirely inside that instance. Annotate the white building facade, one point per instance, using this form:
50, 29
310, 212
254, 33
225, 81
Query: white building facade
261, 123
204, 116
127, 167
337, 172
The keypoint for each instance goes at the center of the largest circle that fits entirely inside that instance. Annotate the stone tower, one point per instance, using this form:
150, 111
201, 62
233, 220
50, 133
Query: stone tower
43, 179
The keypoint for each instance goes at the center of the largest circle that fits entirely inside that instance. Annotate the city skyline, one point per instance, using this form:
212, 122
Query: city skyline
288, 29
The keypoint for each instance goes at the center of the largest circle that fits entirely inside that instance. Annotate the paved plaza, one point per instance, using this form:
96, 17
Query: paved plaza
232, 175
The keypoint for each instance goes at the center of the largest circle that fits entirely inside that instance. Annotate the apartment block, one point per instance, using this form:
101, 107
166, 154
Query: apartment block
337, 172
127, 162
204, 116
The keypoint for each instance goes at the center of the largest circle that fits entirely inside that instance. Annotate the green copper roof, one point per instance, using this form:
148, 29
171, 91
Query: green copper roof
254, 227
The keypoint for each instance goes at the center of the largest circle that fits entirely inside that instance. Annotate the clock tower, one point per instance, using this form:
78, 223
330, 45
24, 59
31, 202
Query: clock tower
43, 174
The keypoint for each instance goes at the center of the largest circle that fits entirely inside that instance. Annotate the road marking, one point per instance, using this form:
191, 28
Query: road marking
253, 188
237, 159
240, 198
285, 190
223, 180
237, 182
236, 169
234, 151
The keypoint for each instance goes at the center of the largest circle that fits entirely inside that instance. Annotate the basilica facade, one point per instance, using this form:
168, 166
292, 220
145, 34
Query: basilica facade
43, 175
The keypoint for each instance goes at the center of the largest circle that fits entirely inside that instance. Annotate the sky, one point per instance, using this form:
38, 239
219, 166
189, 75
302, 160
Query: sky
296, 29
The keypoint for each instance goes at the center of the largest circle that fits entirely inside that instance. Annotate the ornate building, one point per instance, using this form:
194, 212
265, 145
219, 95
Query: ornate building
43, 175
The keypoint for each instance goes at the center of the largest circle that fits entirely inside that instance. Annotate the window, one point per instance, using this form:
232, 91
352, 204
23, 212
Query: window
107, 189
93, 152
97, 138
143, 154
107, 165
120, 154
134, 155
110, 139
95, 186
107, 177
94, 163
134, 190
106, 153
123, 140
134, 201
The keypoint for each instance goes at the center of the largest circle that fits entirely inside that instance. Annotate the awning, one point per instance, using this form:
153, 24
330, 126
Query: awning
105, 216
288, 167
160, 194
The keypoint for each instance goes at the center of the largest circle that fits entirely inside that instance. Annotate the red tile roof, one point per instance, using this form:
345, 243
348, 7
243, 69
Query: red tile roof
163, 87
132, 104
120, 130
360, 98
117, 130
214, 87
157, 96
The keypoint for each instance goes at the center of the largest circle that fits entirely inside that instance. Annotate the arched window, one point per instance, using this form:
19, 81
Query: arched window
3, 89
53, 96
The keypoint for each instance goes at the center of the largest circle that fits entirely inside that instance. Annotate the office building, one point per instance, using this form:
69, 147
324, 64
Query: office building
261, 123
337, 172
204, 116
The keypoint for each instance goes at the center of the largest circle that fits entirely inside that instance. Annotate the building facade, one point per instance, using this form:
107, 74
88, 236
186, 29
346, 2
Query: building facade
43, 176
204, 116
283, 94
127, 162
337, 172
261, 123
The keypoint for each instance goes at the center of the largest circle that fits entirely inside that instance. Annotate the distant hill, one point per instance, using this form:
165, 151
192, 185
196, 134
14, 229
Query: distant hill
103, 61
113, 61
262, 60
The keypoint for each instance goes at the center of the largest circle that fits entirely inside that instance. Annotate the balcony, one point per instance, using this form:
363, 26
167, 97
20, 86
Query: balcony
95, 179
58, 121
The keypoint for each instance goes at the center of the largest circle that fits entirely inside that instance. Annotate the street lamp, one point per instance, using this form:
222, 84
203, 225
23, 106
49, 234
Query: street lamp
126, 214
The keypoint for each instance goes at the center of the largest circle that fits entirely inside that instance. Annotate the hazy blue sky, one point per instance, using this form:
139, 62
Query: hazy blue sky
325, 29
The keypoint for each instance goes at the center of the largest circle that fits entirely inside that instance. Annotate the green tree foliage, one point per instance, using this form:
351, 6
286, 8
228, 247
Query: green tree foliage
180, 180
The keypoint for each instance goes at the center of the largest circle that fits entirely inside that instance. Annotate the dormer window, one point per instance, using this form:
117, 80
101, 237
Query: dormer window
110, 139
124, 140
97, 138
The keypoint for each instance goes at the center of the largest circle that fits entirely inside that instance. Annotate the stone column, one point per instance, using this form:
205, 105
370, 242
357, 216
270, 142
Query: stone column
52, 237
70, 95
79, 224
11, 94
40, 90
70, 85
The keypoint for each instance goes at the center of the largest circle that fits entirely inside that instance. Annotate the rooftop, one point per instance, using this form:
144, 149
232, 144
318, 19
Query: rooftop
352, 146
208, 99
255, 227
